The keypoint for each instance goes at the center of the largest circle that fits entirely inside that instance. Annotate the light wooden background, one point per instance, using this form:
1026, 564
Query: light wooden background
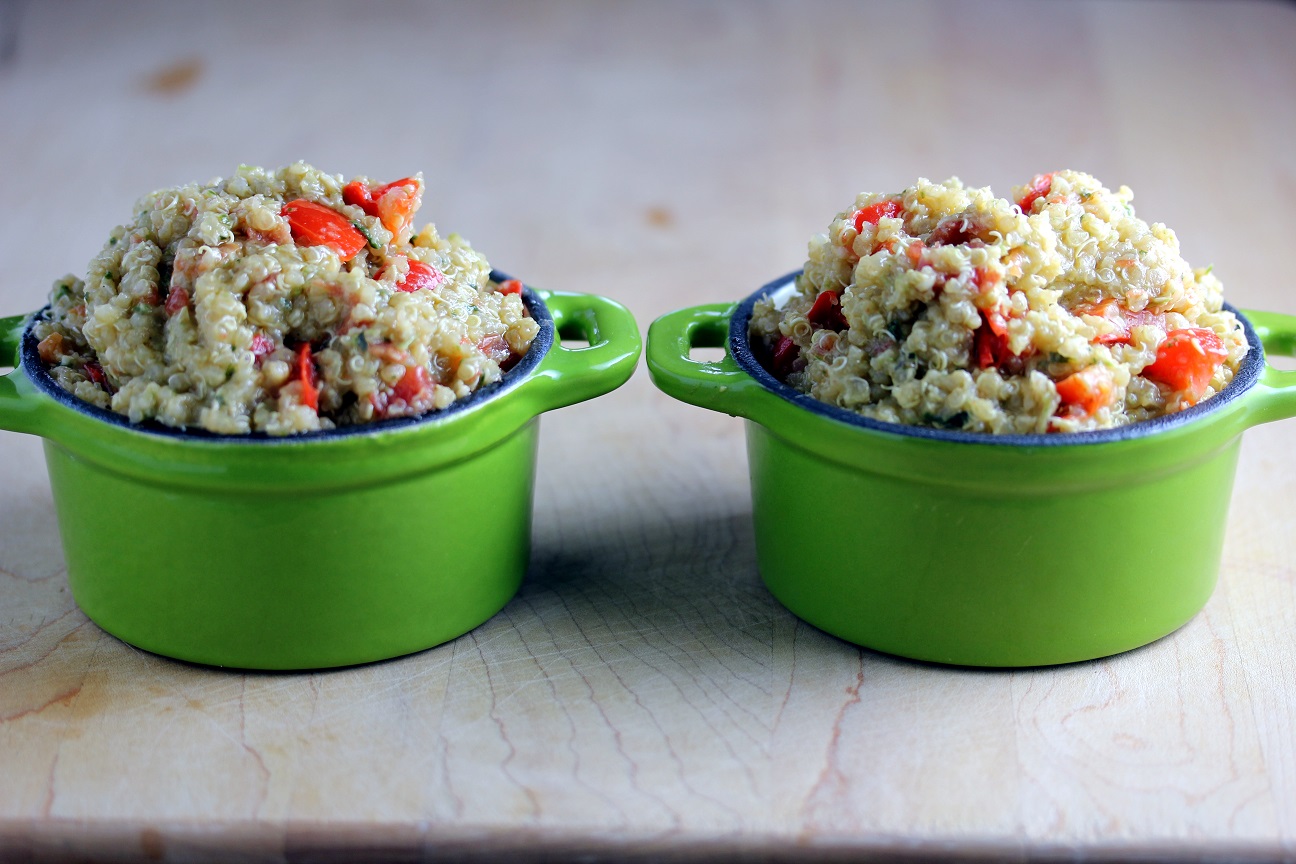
644, 695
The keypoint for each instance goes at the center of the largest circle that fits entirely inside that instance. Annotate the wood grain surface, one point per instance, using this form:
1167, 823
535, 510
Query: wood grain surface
643, 696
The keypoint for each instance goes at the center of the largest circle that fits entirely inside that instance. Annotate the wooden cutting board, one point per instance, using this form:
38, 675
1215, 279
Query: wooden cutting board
644, 695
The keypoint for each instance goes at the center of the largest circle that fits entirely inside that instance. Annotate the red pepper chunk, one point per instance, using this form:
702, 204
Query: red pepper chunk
416, 381
1087, 390
357, 194
990, 348
316, 225
510, 286
96, 374
785, 357
1187, 360
420, 275
873, 212
305, 373
990, 340
1040, 186
826, 312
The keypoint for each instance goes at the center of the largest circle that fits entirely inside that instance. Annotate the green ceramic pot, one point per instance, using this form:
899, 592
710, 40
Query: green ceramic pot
323, 549
970, 549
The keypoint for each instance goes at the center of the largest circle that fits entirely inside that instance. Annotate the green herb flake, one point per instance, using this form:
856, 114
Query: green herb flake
229, 372
361, 342
373, 244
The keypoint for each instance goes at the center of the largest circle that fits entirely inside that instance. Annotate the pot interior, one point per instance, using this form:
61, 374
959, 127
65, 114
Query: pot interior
781, 289
35, 370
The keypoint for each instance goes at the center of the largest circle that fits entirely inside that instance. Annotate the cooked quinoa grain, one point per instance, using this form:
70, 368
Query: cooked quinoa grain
281, 302
945, 306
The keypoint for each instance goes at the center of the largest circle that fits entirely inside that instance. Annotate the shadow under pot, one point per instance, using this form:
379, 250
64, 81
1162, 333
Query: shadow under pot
322, 549
971, 549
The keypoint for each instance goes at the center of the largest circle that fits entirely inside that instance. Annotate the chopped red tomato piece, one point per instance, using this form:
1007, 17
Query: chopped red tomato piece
393, 203
985, 280
304, 371
379, 400
316, 225
420, 275
408, 183
261, 345
510, 286
954, 231
495, 347
397, 203
1087, 390
915, 252
873, 212
358, 194
177, 299
786, 354
1187, 360
1123, 321
1143, 318
995, 320
1040, 186
415, 382
826, 312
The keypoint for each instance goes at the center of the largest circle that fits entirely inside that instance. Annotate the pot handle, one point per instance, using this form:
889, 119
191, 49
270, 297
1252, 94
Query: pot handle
1275, 395
718, 385
11, 330
20, 404
571, 375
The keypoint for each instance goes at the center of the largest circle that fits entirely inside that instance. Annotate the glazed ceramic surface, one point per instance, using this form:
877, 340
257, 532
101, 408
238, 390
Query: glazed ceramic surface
970, 549
324, 549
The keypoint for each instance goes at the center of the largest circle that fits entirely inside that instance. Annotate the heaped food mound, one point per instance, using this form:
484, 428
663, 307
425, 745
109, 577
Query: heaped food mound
281, 302
1058, 311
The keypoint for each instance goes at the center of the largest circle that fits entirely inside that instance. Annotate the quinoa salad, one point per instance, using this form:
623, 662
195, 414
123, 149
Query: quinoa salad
1057, 311
281, 302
